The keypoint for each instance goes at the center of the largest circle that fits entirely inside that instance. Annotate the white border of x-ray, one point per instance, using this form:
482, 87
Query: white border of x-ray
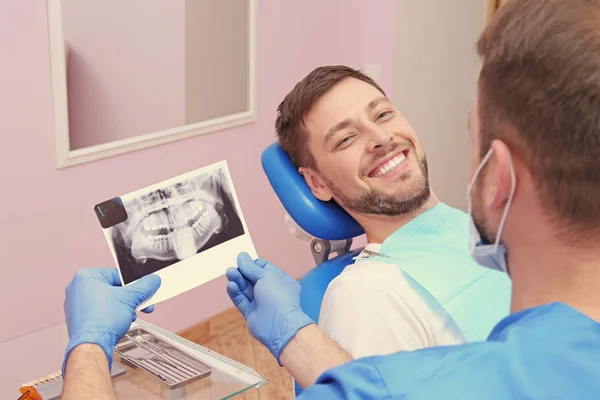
202, 267
65, 157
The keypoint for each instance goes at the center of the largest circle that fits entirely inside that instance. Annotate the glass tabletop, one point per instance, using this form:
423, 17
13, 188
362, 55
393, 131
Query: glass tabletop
40, 354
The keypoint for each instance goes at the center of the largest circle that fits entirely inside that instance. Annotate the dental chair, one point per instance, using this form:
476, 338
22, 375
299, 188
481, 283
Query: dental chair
333, 230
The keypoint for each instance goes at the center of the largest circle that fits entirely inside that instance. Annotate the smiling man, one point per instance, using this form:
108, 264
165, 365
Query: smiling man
355, 148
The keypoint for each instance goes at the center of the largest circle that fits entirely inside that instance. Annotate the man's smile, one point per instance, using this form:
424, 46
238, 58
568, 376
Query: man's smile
396, 162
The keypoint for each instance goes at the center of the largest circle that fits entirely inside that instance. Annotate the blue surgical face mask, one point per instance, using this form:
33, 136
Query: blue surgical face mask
489, 255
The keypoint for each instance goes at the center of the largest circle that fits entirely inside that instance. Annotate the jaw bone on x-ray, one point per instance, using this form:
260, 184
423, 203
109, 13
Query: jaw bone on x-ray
168, 229
174, 222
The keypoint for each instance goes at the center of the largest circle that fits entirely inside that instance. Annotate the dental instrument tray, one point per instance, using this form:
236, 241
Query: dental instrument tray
163, 362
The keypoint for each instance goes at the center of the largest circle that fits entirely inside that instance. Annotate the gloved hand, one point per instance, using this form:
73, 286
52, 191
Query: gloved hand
98, 310
269, 300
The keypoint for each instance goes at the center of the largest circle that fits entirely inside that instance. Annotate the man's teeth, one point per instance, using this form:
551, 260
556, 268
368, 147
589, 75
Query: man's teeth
389, 166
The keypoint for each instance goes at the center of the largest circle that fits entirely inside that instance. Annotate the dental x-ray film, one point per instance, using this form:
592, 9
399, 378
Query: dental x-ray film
188, 230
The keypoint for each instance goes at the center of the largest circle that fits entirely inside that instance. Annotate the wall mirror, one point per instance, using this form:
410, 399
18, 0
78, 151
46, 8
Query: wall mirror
127, 75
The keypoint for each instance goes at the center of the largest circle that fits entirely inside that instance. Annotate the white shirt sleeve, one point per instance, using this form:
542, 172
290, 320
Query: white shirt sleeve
367, 316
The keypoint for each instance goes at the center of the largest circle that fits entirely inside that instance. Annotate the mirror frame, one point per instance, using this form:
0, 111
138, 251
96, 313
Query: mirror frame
65, 157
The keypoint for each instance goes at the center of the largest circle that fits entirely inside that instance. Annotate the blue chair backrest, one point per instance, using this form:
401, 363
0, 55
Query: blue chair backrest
324, 220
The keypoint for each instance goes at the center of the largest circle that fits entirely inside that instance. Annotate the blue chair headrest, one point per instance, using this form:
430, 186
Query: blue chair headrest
321, 219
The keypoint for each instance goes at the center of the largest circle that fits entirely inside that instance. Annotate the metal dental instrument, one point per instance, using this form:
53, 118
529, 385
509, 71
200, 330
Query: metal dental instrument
163, 362
143, 346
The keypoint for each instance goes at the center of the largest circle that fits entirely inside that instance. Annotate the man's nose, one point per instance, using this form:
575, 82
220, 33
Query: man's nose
379, 138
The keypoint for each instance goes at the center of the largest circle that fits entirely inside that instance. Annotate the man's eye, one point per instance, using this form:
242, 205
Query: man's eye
384, 114
343, 142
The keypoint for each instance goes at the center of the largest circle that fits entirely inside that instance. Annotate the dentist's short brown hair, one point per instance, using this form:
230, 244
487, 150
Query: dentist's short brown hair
539, 92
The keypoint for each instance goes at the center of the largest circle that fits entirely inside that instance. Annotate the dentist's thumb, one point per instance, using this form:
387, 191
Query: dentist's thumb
249, 269
141, 290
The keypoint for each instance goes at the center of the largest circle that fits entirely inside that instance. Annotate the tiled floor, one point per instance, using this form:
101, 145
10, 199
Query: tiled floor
227, 334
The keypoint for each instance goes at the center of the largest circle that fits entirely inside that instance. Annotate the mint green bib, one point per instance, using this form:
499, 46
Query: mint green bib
433, 250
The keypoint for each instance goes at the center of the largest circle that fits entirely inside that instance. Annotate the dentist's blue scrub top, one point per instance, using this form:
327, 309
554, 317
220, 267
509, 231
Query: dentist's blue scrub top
548, 352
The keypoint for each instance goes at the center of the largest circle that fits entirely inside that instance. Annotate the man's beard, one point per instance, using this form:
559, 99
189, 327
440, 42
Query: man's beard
376, 202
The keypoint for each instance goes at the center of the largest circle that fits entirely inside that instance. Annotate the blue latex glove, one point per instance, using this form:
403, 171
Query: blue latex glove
269, 300
99, 310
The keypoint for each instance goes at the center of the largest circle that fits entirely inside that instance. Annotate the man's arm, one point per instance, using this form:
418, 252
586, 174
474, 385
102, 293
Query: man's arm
310, 353
88, 366
369, 315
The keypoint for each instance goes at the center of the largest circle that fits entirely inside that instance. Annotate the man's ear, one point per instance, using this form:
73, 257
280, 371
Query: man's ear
499, 176
316, 184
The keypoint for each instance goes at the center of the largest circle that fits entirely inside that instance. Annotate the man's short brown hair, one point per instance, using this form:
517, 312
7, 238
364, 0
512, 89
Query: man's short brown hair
290, 127
539, 91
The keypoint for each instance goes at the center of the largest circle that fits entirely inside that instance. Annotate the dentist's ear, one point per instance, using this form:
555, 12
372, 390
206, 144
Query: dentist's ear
500, 177
318, 187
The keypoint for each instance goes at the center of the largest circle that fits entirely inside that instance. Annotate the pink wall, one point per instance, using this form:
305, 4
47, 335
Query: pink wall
48, 226
378, 38
126, 60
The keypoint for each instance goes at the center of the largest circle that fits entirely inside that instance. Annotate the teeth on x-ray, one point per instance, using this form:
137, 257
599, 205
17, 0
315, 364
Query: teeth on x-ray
174, 222
177, 231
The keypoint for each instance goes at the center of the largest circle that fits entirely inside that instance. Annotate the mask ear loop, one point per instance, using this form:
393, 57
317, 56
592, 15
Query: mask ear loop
477, 171
512, 193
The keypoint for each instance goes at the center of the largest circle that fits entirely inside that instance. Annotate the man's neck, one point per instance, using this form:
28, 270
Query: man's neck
546, 270
379, 227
